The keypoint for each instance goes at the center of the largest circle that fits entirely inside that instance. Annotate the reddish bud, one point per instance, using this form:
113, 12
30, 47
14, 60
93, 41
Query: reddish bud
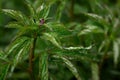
42, 21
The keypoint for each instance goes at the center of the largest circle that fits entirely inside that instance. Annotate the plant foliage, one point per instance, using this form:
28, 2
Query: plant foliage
62, 40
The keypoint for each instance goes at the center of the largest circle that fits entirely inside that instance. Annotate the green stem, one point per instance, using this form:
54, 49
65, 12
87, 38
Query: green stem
72, 10
31, 62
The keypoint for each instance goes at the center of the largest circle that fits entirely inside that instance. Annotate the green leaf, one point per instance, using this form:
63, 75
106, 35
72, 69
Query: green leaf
78, 48
95, 71
116, 52
96, 17
103, 44
59, 10
4, 71
16, 60
14, 45
77, 55
2, 57
17, 15
44, 11
14, 25
91, 29
1, 53
37, 4
5, 64
31, 8
20, 55
27, 30
43, 66
51, 38
58, 28
71, 67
